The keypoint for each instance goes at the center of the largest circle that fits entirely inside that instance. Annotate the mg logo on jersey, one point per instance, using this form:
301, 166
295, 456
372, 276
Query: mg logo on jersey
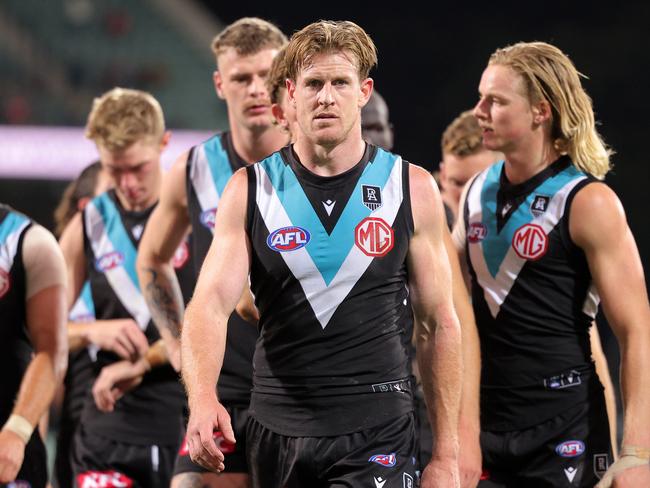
386, 460
208, 217
5, 282
530, 242
103, 479
569, 449
109, 261
374, 237
181, 255
288, 239
476, 232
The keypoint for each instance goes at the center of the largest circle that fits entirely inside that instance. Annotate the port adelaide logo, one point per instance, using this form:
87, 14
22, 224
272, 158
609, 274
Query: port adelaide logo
371, 196
288, 239
539, 205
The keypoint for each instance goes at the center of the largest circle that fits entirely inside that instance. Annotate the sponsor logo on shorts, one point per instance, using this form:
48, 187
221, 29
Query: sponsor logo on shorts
371, 196
601, 464
103, 479
476, 232
564, 380
570, 449
399, 385
570, 473
109, 261
208, 217
408, 481
530, 242
539, 205
5, 282
374, 237
181, 255
386, 460
222, 444
379, 481
288, 239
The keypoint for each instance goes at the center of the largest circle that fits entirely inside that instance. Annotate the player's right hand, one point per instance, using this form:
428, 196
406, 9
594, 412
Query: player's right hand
206, 417
12, 452
122, 336
441, 473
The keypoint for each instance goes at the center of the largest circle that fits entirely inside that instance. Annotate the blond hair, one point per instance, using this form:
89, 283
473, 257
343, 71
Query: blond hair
275, 80
248, 35
121, 117
463, 136
325, 37
549, 74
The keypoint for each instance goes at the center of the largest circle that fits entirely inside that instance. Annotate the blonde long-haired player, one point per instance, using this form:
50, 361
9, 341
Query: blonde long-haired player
546, 241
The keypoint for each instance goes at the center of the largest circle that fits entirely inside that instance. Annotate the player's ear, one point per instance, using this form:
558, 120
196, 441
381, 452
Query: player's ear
542, 112
218, 84
366, 90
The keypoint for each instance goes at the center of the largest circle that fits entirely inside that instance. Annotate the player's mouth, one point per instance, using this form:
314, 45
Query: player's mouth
258, 109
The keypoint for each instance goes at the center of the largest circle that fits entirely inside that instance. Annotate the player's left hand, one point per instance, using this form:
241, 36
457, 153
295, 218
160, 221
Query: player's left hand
115, 380
441, 473
12, 452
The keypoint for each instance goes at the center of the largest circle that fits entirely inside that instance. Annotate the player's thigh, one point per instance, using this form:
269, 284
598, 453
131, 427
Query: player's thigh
211, 480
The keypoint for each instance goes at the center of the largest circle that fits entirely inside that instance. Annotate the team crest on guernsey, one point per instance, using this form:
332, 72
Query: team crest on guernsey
371, 196
5, 282
601, 464
530, 242
539, 205
288, 239
374, 237
109, 261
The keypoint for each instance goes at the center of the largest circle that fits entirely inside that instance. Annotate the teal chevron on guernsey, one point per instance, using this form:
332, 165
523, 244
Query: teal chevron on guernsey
493, 258
108, 235
10, 230
328, 266
495, 245
84, 308
218, 161
328, 251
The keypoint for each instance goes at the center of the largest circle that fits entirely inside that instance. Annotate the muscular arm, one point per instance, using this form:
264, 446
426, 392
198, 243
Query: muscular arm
599, 227
165, 230
436, 322
220, 284
45, 316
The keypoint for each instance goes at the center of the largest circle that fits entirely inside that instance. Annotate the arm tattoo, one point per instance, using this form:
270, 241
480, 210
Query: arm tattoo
165, 301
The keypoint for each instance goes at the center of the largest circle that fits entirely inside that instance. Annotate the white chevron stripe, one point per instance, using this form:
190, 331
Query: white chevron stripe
590, 306
9, 248
324, 299
202, 181
117, 277
496, 289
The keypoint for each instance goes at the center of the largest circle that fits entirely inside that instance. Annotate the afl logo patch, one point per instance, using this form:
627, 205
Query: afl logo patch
374, 237
208, 217
5, 282
288, 239
476, 232
181, 255
386, 460
569, 449
530, 242
109, 261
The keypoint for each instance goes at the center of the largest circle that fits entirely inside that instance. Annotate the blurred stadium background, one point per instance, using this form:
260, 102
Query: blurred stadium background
56, 55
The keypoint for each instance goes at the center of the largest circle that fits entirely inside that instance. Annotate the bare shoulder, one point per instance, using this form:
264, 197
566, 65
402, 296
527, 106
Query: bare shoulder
174, 182
425, 196
596, 216
40, 241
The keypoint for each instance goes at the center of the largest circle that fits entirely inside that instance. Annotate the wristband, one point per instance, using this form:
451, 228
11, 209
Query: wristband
636, 451
20, 426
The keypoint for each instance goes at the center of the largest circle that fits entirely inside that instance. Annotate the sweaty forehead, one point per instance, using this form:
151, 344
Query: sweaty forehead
329, 63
